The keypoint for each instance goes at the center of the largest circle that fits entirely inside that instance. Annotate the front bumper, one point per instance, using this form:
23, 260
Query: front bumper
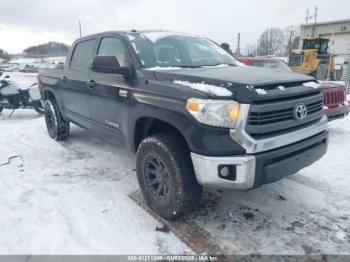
257, 169
337, 112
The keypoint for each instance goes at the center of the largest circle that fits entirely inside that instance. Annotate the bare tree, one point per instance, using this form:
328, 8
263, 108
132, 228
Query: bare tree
250, 49
292, 36
271, 41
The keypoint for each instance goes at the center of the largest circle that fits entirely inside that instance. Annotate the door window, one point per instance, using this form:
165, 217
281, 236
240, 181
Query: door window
82, 55
110, 46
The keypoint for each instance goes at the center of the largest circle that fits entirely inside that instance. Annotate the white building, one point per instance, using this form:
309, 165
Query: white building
337, 31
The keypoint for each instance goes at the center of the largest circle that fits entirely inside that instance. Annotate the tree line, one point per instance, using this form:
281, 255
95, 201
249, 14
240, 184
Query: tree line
47, 49
273, 41
50, 48
4, 55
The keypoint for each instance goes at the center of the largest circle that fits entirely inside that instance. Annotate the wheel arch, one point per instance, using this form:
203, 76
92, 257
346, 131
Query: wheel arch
49, 94
146, 126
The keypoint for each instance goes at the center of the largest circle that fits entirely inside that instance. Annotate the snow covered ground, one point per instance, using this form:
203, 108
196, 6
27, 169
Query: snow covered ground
72, 198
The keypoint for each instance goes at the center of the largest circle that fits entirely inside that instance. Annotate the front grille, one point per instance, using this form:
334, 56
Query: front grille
333, 97
275, 118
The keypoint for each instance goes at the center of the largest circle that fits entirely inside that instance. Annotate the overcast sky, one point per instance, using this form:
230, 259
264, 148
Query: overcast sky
25, 23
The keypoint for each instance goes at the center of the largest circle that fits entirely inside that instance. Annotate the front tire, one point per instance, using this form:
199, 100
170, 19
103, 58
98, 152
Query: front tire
166, 177
57, 127
39, 108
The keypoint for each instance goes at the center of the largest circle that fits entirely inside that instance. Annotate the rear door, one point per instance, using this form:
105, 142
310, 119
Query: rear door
74, 82
109, 96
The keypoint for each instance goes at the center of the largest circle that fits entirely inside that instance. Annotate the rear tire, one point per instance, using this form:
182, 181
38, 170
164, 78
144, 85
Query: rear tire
321, 72
57, 127
338, 74
166, 176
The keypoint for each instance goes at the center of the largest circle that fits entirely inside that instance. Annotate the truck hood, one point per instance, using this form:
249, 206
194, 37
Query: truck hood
246, 83
247, 75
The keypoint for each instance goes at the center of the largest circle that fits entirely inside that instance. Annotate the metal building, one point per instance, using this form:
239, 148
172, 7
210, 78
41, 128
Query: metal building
338, 32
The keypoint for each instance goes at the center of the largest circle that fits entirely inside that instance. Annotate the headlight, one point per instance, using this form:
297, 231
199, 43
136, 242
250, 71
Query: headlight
221, 113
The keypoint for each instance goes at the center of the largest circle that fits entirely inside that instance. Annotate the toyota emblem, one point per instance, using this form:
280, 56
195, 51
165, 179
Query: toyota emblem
300, 112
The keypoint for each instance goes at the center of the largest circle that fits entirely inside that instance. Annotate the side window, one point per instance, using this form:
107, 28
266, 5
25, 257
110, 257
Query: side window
82, 54
110, 46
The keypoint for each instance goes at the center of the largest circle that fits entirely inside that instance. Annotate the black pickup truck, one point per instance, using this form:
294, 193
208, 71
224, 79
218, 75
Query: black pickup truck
193, 114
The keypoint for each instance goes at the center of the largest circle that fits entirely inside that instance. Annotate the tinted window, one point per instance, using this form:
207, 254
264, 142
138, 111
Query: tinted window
274, 64
113, 47
82, 55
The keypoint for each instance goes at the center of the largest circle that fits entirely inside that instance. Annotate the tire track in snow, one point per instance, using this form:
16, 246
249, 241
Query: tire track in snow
187, 231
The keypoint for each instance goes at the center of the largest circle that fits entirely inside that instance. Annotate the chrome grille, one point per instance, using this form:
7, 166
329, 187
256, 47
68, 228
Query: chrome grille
273, 118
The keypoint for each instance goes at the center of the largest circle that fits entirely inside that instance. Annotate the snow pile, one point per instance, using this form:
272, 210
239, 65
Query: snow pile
160, 68
213, 66
22, 80
313, 85
282, 88
240, 63
206, 88
260, 91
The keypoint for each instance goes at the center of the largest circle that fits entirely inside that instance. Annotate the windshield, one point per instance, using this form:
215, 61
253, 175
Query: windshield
320, 44
175, 50
274, 64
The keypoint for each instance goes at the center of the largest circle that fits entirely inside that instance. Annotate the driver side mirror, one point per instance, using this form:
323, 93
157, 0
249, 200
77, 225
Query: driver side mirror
110, 65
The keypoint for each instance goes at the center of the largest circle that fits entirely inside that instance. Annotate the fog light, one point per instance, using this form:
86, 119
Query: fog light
227, 172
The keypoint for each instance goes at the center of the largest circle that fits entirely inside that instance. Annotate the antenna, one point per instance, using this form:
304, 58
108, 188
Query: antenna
309, 17
79, 29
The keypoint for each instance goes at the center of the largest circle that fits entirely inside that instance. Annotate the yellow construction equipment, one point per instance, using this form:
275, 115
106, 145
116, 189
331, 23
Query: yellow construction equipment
314, 59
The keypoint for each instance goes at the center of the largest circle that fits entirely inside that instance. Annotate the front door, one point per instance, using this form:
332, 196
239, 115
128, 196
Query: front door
108, 93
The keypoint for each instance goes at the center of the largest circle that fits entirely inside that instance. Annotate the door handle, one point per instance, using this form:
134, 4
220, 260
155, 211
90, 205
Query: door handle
64, 79
92, 84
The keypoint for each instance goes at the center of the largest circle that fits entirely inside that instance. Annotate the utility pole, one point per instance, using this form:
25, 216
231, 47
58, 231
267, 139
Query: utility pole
290, 42
79, 29
238, 50
315, 14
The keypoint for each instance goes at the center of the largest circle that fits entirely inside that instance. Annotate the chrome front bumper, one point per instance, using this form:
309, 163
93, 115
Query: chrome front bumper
206, 170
